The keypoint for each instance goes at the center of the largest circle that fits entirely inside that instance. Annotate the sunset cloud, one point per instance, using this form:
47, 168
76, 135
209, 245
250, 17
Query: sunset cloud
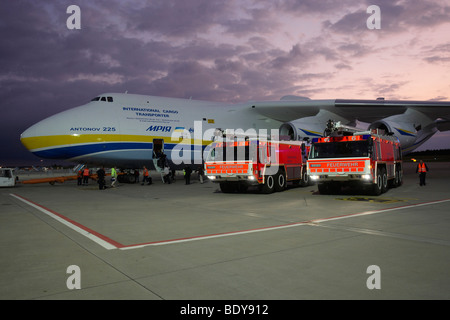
234, 51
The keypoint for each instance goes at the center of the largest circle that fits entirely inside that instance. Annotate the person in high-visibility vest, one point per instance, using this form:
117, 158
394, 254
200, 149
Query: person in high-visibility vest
113, 177
146, 176
422, 169
187, 174
85, 176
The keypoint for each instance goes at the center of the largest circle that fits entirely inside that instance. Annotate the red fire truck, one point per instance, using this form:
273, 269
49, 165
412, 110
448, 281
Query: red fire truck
236, 165
366, 159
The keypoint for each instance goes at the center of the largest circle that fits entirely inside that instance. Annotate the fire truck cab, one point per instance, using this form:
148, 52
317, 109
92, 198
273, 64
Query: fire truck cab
236, 165
366, 159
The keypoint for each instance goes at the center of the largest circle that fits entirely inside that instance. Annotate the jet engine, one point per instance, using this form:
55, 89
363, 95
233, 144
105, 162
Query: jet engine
301, 129
308, 127
407, 133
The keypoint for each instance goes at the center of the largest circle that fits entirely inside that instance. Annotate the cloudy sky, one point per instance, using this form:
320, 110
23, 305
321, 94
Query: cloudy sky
233, 50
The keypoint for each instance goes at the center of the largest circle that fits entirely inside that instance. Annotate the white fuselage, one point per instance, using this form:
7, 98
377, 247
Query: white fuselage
127, 130
123, 130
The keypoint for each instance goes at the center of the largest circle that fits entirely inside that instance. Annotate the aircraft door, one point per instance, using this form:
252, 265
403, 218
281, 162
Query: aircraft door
159, 159
158, 148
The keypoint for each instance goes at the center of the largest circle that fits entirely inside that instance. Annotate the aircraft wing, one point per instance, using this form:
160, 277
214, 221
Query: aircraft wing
362, 110
432, 109
290, 110
443, 125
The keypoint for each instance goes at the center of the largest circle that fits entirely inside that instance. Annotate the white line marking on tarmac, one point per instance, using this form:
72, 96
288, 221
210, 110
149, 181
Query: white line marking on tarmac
386, 234
109, 244
90, 234
297, 224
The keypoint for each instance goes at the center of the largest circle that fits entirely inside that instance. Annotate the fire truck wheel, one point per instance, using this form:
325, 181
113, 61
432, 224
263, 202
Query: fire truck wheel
400, 177
384, 181
269, 185
395, 182
305, 179
280, 183
377, 187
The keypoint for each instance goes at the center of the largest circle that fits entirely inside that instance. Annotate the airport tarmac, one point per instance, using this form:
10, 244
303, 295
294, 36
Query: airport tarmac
192, 242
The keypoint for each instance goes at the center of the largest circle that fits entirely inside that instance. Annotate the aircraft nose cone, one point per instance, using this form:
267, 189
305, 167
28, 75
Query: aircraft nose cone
27, 136
52, 138
40, 135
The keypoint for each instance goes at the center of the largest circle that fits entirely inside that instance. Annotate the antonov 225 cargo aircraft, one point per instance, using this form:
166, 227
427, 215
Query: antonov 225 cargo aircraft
127, 130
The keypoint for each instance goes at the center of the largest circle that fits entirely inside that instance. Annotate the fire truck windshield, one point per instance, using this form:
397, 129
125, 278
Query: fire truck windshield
345, 149
231, 153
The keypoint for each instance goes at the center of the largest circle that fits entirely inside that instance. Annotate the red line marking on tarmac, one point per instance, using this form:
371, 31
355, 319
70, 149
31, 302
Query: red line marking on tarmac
97, 237
111, 244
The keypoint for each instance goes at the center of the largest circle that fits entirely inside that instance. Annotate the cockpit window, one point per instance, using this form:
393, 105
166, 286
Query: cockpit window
109, 99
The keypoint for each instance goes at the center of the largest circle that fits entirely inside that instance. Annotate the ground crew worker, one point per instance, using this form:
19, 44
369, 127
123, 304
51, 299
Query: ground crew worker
101, 178
113, 177
85, 176
80, 177
146, 176
167, 175
187, 174
422, 169
200, 174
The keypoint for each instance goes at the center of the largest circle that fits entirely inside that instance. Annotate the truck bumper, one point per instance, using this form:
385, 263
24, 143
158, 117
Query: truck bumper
247, 179
361, 178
